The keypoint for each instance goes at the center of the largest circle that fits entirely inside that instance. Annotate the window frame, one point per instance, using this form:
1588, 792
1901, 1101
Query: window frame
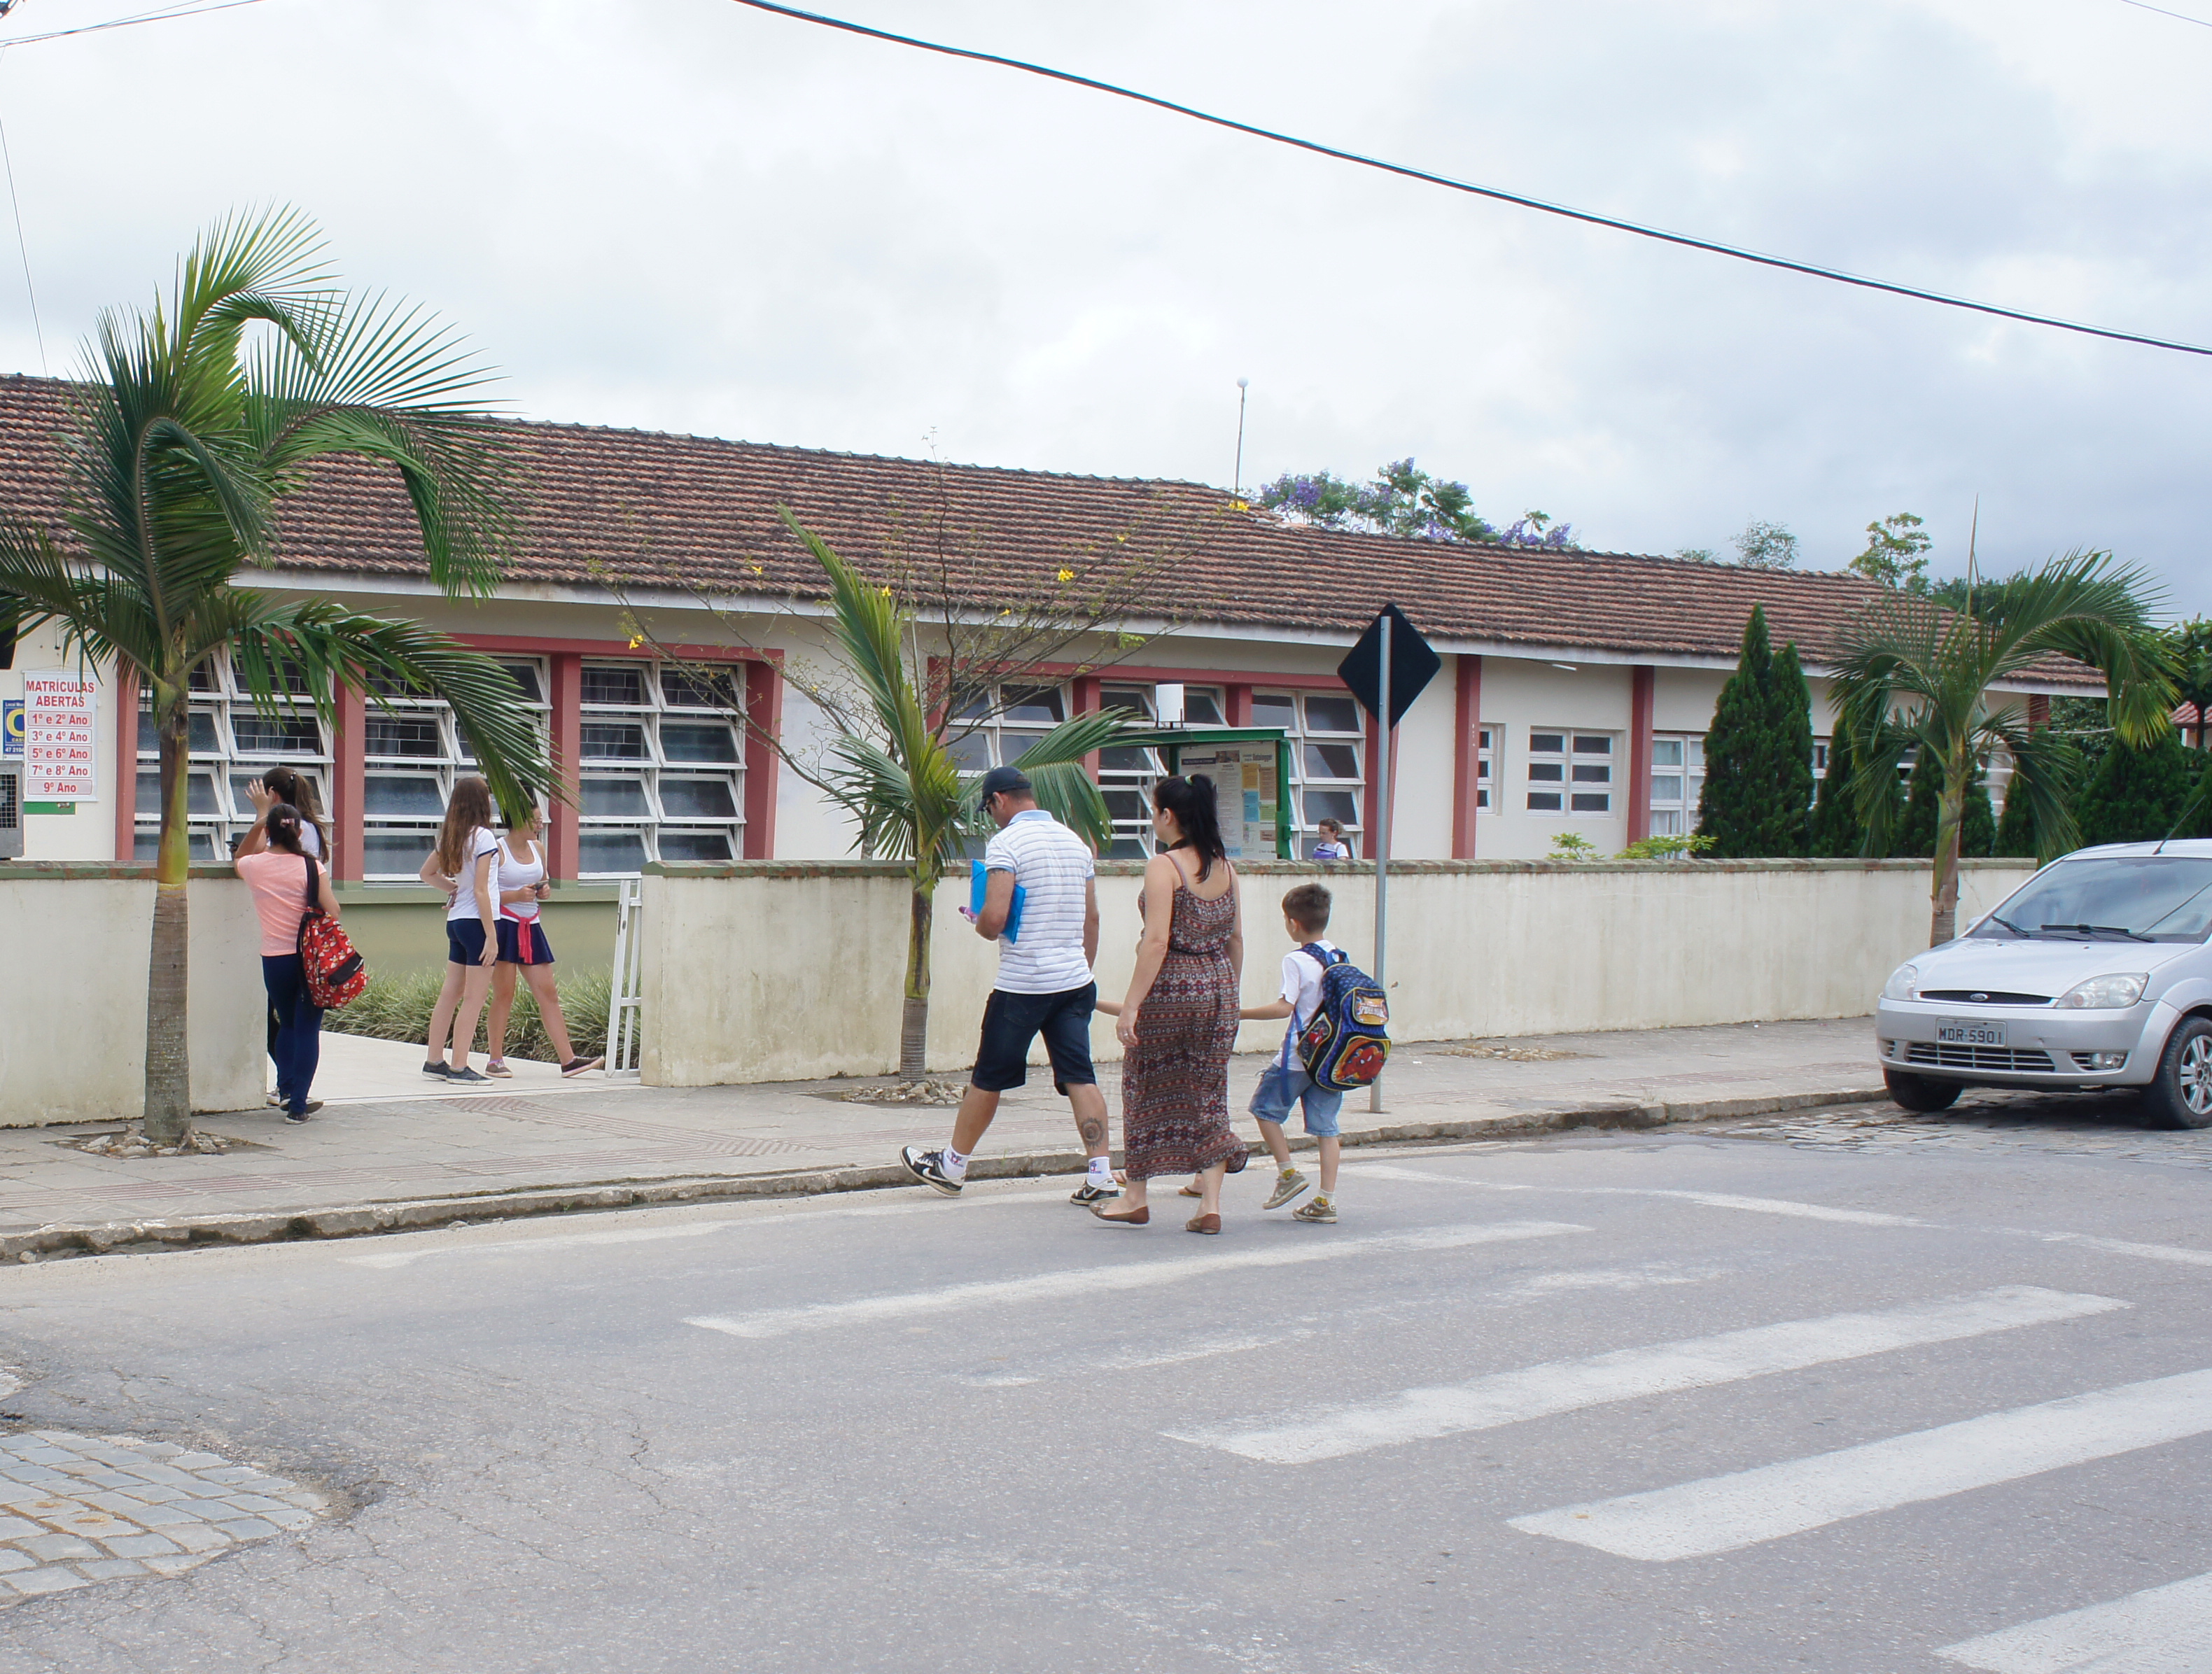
1576, 767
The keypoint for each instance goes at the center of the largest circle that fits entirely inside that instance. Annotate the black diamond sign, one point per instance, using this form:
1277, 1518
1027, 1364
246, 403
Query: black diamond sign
1413, 665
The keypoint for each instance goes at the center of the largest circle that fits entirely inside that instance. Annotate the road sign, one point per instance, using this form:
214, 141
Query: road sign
1413, 665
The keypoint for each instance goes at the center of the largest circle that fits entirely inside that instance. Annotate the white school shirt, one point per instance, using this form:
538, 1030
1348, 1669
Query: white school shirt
1053, 868
1301, 988
481, 843
519, 875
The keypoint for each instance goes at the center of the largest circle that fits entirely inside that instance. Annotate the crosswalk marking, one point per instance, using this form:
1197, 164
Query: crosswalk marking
2161, 1630
1534, 1392
1723, 1513
1856, 1217
1122, 1276
2122, 1246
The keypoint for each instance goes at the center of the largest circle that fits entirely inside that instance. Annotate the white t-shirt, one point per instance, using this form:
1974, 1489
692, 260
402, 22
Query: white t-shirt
1302, 987
310, 839
1053, 870
481, 842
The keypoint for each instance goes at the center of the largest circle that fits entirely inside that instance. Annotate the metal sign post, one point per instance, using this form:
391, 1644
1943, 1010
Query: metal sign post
1390, 666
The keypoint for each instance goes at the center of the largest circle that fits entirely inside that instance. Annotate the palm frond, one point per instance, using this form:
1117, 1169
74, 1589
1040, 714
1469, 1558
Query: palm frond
2046, 770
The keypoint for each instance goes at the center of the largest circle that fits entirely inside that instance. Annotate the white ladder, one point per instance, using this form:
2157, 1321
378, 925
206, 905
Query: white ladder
624, 1006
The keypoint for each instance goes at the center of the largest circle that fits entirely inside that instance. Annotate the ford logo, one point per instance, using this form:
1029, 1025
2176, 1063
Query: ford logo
1982, 999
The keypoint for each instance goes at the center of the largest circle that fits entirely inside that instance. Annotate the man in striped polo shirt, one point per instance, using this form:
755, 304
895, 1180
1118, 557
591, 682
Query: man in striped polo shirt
1045, 986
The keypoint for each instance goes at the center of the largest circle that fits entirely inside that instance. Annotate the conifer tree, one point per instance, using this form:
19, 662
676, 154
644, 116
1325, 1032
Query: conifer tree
2137, 796
2015, 830
1759, 754
1836, 831
1916, 833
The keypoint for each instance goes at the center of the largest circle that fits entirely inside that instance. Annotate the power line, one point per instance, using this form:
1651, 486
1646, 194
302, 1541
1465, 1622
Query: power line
2145, 5
165, 14
1404, 171
22, 245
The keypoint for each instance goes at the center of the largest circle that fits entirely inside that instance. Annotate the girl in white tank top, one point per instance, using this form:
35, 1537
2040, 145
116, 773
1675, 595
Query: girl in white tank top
523, 949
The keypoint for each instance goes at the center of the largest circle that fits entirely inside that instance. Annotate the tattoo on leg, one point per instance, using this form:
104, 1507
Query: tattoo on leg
1092, 1129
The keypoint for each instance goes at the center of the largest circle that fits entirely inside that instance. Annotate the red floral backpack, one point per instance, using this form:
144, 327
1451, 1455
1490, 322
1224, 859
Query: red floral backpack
335, 970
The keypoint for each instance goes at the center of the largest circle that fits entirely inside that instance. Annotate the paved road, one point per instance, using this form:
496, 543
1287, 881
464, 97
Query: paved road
1707, 1399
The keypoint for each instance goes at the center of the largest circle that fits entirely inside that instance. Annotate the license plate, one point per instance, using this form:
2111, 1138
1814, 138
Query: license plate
1958, 1032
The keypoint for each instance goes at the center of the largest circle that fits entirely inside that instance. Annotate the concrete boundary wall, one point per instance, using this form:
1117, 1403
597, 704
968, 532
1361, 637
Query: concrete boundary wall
775, 971
74, 940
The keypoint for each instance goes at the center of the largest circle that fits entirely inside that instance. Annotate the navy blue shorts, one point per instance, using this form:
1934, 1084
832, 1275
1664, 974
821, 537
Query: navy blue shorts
522, 942
1010, 1021
464, 940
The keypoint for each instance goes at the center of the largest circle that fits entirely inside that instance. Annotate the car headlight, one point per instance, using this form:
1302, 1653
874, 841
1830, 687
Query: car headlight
1904, 984
2104, 993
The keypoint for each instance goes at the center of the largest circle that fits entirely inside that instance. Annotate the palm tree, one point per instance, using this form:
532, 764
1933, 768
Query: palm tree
182, 439
899, 780
1912, 673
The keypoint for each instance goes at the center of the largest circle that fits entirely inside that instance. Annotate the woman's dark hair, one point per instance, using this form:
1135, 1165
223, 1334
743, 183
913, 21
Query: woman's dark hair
1196, 810
281, 823
297, 789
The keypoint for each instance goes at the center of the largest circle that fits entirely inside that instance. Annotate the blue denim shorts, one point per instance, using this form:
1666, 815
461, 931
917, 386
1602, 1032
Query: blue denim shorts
1282, 1085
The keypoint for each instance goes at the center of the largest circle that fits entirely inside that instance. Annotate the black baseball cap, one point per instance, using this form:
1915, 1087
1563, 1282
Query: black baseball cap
1004, 781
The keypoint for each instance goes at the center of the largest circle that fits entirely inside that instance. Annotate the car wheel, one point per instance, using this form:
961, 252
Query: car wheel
1919, 1093
2180, 1094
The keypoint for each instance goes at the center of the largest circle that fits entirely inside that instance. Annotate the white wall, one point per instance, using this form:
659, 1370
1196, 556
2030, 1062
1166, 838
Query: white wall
1519, 694
769, 973
1427, 781
89, 832
73, 995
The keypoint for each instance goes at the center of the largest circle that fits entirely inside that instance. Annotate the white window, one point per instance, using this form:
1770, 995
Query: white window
1678, 777
998, 725
1569, 772
661, 769
412, 753
1486, 762
228, 741
1126, 775
1327, 732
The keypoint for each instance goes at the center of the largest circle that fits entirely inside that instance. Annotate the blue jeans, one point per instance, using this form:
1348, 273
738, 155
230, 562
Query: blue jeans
1284, 1083
297, 1041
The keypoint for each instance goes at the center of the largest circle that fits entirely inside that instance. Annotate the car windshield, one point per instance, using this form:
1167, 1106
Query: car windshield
2159, 897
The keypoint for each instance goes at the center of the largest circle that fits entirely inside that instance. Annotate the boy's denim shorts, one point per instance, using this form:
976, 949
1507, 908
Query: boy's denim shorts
1282, 1085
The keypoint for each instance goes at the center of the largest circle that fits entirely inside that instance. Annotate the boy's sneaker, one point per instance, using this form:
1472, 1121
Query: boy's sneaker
304, 1111
438, 1067
497, 1067
928, 1168
1321, 1210
1288, 1184
1087, 1194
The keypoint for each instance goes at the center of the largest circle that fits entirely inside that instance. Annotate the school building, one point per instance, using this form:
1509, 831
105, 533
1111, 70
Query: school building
655, 592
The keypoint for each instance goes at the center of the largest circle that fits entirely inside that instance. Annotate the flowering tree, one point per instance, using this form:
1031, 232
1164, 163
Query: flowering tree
1407, 501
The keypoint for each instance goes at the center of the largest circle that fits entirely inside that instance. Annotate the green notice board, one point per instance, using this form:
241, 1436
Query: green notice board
1250, 767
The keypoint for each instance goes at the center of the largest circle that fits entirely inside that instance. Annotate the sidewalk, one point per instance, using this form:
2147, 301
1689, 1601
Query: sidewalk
391, 1149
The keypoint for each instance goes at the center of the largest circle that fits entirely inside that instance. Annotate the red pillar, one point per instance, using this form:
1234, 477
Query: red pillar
1467, 756
127, 763
2038, 709
1643, 689
348, 785
1089, 701
764, 708
1240, 705
567, 750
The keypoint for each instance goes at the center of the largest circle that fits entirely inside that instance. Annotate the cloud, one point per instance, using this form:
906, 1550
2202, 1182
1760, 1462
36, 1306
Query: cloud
683, 215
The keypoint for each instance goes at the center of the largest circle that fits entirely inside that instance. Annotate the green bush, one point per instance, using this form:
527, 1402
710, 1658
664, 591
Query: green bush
1759, 754
2137, 796
397, 1007
1914, 837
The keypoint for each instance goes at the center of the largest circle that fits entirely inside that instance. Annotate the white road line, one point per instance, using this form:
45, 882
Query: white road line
1624, 1374
2121, 1247
1856, 1217
1724, 1514
1125, 1276
2161, 1630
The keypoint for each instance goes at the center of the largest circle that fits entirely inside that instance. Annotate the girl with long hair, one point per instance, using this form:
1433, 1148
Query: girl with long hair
463, 865
1178, 1022
523, 948
276, 868
295, 790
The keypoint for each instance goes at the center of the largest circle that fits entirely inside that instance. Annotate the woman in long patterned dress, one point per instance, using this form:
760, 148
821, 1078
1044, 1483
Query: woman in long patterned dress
1178, 1024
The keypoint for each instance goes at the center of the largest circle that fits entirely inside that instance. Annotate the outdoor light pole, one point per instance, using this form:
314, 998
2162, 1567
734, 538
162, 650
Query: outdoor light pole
1236, 484
1382, 848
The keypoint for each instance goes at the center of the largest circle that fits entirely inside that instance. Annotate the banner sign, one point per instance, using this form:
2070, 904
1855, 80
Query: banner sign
1243, 776
60, 710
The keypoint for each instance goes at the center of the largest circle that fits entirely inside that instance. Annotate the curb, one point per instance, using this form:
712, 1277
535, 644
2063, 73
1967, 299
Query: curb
416, 1215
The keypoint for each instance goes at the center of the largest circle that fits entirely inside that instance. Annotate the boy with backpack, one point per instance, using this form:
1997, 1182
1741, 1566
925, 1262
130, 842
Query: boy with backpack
1287, 1080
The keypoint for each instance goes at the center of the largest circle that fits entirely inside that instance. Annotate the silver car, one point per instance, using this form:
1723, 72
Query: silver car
2095, 973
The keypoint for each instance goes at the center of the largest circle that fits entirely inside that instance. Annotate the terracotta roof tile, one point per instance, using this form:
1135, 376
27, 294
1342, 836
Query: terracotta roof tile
701, 513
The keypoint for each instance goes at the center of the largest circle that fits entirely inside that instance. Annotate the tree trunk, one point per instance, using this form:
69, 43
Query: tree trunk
914, 1015
1950, 817
168, 1110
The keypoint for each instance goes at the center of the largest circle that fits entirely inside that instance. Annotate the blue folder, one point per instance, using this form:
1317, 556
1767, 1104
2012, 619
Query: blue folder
977, 882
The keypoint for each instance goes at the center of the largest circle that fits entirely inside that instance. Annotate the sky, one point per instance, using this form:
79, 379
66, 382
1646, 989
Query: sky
689, 215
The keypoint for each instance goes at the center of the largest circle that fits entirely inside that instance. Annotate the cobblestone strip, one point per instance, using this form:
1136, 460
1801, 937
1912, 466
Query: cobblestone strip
78, 1509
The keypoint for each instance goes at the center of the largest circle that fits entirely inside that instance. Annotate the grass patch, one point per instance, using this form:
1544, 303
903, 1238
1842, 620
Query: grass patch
397, 1007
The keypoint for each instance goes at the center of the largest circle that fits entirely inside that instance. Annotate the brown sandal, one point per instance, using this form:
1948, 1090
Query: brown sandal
1189, 1191
1133, 1217
1207, 1223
